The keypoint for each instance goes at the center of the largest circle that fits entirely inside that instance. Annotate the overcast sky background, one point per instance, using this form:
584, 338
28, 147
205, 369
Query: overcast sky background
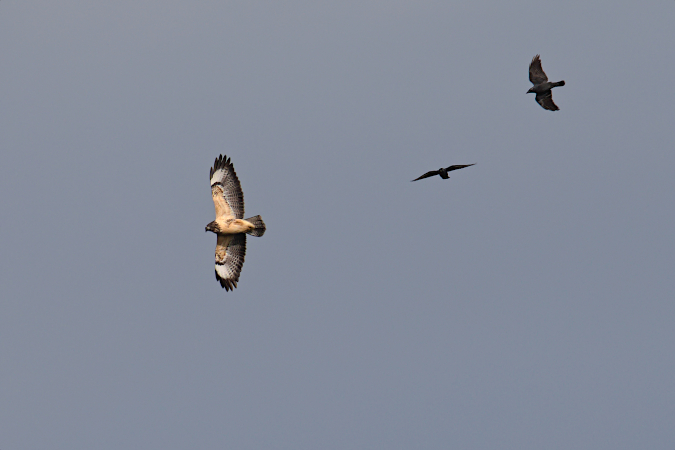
526, 303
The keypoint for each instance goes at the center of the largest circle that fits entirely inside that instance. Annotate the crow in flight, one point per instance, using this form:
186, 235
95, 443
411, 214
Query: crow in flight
542, 87
443, 172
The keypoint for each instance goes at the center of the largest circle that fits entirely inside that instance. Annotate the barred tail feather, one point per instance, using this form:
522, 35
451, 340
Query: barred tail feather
259, 225
559, 83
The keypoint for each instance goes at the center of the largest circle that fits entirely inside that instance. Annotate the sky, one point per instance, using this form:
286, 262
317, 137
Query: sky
525, 303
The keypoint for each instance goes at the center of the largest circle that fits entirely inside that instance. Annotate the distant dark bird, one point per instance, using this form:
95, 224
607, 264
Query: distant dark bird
542, 87
443, 172
230, 226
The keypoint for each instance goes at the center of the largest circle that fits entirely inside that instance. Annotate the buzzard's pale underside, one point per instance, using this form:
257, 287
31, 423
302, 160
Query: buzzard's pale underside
230, 225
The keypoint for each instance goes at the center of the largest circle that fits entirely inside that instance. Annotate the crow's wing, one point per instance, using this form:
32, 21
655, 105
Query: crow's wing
537, 75
546, 101
427, 175
459, 166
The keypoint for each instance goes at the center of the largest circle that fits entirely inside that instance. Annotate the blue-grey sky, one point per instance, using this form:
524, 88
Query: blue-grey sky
526, 303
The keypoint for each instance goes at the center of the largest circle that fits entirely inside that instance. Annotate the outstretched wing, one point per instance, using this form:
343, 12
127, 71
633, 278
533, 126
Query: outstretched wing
459, 166
427, 175
230, 253
546, 101
226, 190
537, 75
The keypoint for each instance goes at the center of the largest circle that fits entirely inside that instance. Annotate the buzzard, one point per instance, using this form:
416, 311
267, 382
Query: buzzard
542, 87
443, 172
230, 225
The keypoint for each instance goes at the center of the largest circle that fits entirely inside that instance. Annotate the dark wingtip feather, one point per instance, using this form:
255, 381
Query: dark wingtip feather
228, 285
220, 162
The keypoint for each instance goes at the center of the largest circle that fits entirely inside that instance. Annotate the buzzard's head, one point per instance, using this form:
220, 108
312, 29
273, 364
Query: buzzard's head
213, 227
531, 91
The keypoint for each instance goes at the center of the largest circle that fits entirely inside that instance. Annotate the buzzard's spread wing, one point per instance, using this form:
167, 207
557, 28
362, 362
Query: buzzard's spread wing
230, 252
537, 75
459, 166
427, 175
546, 101
226, 190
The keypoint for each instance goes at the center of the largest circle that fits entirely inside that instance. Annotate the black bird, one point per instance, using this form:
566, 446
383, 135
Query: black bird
443, 172
542, 87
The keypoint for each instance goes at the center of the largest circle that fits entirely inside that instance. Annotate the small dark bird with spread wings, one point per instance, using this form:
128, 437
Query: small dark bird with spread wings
443, 172
542, 87
230, 225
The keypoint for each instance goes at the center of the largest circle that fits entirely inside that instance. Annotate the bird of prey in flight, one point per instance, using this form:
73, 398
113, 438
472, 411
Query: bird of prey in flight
230, 226
443, 172
542, 87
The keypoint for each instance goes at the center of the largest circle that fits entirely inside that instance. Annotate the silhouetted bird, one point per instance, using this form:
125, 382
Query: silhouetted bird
443, 172
542, 87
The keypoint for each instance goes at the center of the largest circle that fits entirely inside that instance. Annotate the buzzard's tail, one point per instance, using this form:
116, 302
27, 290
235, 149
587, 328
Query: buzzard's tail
259, 225
559, 83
